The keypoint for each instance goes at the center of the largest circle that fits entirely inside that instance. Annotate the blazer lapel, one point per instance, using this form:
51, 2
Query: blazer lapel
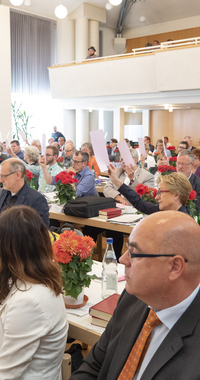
2, 198
22, 196
173, 342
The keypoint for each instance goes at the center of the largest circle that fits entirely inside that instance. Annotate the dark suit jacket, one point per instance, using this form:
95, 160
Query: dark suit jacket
177, 358
30, 197
113, 157
195, 182
151, 148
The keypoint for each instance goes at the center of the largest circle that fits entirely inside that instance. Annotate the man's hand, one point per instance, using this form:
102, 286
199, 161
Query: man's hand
130, 170
112, 172
42, 161
10, 152
121, 200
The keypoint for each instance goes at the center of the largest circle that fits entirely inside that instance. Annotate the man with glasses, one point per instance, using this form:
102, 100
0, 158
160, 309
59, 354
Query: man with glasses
161, 302
182, 145
68, 155
86, 181
53, 168
17, 192
184, 163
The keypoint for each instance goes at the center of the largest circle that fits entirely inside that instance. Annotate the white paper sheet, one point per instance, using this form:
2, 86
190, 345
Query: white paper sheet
100, 150
165, 149
125, 153
141, 146
7, 135
43, 148
23, 135
126, 219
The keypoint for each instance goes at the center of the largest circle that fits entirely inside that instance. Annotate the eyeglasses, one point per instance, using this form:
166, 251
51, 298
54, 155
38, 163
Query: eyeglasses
141, 255
6, 175
159, 192
182, 164
49, 155
66, 151
77, 162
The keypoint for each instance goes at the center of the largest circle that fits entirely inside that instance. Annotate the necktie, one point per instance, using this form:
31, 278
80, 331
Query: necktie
140, 347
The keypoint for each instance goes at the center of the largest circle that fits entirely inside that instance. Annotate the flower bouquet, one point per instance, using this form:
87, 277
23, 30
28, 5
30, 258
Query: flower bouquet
29, 178
156, 154
63, 188
60, 161
190, 203
172, 161
147, 193
166, 170
172, 150
74, 254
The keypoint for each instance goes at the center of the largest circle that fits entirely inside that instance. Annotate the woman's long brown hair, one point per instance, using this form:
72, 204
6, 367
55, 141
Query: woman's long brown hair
25, 251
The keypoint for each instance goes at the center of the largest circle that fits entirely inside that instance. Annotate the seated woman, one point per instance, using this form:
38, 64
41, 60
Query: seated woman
31, 156
173, 192
87, 148
196, 163
33, 318
161, 160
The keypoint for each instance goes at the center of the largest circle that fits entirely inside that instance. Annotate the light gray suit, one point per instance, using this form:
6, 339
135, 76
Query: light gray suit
142, 176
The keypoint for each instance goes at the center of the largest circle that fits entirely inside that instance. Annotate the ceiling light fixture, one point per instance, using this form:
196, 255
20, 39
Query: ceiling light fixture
170, 109
90, 109
16, 2
109, 6
115, 2
61, 11
166, 106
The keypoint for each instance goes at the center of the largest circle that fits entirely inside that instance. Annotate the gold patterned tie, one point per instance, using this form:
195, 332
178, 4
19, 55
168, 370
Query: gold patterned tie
140, 347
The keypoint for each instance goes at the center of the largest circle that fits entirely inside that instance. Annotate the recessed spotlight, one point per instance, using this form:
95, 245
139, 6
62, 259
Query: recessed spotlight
166, 106
170, 109
90, 110
134, 110
16, 2
61, 11
142, 18
115, 2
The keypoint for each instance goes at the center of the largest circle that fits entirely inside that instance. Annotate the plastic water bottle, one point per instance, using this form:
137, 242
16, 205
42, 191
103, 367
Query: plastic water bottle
93, 171
109, 283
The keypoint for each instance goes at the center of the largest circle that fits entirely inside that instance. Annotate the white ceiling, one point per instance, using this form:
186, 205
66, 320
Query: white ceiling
155, 11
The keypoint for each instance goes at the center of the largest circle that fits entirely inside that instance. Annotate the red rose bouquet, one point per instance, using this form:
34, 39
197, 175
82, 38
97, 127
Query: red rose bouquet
172, 150
166, 170
63, 188
60, 161
190, 203
29, 179
172, 161
146, 193
74, 254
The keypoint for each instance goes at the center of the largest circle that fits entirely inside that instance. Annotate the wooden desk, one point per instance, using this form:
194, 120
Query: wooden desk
93, 222
79, 327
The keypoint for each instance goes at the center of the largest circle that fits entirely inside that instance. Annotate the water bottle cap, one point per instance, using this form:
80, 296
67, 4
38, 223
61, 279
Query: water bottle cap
109, 240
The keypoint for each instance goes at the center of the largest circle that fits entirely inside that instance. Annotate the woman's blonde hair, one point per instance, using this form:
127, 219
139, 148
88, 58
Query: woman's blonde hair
177, 183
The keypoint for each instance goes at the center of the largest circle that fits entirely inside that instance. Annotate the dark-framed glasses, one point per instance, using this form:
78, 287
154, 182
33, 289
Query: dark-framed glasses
6, 175
77, 162
142, 255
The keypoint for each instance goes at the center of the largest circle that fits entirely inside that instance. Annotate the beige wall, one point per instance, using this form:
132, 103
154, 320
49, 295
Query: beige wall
176, 125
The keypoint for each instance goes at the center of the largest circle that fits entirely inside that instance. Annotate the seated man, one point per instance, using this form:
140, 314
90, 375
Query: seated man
17, 192
86, 182
160, 148
131, 178
182, 145
52, 166
113, 152
162, 298
68, 155
15, 145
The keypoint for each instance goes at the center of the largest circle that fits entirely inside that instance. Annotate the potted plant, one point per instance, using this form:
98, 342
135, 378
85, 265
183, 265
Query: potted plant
74, 255
63, 188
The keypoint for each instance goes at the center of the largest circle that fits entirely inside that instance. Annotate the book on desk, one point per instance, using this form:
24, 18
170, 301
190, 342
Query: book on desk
102, 312
109, 213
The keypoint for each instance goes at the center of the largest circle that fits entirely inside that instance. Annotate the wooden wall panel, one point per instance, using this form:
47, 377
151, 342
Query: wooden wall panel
139, 42
176, 125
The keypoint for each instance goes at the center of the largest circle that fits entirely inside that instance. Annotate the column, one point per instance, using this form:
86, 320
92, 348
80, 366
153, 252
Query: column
65, 40
118, 129
82, 127
93, 120
69, 125
94, 35
145, 122
5, 74
82, 43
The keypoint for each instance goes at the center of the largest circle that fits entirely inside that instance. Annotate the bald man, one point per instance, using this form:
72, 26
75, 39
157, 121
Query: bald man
162, 270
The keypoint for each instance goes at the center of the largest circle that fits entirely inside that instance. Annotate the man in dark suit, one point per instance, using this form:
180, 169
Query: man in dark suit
113, 152
162, 274
189, 141
147, 140
184, 163
17, 192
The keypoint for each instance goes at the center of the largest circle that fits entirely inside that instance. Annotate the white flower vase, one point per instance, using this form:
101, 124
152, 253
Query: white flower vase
72, 303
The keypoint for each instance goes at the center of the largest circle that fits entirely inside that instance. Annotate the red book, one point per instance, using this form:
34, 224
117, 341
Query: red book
108, 216
108, 210
105, 309
99, 322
